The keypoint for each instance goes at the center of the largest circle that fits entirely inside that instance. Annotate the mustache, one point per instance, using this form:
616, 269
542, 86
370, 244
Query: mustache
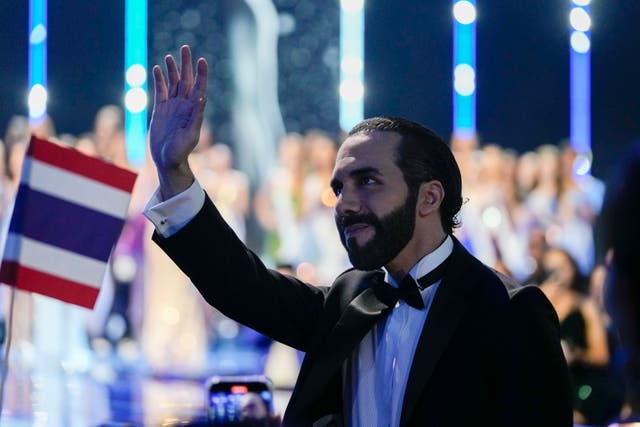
346, 221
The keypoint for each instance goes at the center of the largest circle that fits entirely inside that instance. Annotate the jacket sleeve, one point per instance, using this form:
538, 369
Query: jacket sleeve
234, 280
538, 391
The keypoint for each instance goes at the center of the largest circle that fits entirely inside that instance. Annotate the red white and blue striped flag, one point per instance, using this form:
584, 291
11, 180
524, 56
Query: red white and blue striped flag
67, 216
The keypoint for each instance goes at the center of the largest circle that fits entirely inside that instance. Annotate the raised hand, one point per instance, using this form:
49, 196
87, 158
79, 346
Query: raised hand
178, 110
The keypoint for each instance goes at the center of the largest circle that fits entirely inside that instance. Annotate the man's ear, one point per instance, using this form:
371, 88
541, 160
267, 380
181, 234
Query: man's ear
430, 197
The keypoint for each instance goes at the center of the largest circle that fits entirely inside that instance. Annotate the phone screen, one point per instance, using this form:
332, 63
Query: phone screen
245, 401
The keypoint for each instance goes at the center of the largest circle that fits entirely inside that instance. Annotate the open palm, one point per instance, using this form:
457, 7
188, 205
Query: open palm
178, 112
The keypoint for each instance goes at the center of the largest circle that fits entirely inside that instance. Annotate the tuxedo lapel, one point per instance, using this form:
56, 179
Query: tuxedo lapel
355, 321
448, 306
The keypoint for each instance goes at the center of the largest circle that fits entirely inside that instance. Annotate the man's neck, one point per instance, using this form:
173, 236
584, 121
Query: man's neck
411, 254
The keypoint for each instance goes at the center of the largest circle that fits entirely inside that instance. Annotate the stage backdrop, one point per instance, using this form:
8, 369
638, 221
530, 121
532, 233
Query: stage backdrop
522, 65
274, 67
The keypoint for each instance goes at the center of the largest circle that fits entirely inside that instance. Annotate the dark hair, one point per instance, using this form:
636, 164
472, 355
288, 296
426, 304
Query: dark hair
422, 156
579, 282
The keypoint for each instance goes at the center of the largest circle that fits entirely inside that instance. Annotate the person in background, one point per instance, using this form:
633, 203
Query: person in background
322, 247
278, 203
584, 338
86, 144
108, 129
229, 187
622, 294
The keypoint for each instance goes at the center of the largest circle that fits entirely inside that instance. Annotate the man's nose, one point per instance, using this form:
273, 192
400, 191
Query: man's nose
348, 203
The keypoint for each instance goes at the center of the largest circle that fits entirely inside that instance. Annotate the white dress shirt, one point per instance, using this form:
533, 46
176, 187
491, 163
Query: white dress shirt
377, 374
169, 216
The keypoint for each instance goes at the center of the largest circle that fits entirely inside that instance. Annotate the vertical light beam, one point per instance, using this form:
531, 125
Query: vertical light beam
135, 63
351, 63
580, 85
37, 98
464, 66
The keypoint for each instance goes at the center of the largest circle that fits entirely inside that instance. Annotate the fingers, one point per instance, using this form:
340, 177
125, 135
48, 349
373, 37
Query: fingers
172, 75
199, 95
186, 72
199, 92
181, 83
200, 86
160, 93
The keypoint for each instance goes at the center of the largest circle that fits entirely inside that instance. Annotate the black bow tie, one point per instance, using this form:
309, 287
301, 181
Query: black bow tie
408, 290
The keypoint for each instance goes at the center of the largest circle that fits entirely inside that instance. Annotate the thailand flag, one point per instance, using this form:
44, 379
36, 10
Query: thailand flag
67, 216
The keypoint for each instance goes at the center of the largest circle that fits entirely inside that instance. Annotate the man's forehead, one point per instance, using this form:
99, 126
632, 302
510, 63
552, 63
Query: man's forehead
367, 150
375, 142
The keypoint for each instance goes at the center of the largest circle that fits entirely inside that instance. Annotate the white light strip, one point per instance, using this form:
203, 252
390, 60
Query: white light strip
351, 88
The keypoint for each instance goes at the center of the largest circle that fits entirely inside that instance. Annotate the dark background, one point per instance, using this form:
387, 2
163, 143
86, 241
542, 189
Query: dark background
522, 68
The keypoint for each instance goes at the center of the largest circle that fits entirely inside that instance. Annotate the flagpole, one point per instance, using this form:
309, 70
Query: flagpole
7, 346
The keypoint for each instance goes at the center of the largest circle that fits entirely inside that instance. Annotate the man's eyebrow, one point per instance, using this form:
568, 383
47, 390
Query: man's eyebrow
367, 170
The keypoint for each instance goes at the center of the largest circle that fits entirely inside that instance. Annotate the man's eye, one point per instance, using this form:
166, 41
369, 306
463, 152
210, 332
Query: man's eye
366, 180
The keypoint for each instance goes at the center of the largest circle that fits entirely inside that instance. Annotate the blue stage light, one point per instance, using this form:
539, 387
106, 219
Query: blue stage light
351, 63
464, 64
580, 86
37, 97
135, 63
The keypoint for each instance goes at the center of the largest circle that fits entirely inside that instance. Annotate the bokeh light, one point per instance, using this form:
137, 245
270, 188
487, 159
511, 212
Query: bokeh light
38, 34
464, 79
37, 101
464, 12
580, 42
580, 19
136, 75
352, 90
352, 6
135, 100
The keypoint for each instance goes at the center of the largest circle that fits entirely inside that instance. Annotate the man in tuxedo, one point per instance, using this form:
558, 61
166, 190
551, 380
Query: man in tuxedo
431, 339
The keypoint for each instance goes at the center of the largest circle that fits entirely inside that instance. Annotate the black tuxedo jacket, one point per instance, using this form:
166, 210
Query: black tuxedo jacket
483, 358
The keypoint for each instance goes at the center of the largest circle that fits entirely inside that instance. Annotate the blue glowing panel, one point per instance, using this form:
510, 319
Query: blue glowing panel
580, 90
37, 59
464, 65
580, 101
136, 86
465, 43
351, 63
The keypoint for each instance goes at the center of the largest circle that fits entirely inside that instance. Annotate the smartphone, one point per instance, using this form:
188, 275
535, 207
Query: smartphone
240, 400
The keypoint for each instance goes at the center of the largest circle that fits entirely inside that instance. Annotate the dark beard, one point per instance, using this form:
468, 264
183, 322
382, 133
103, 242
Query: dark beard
392, 233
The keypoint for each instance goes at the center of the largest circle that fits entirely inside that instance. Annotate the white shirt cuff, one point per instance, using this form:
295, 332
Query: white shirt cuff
169, 216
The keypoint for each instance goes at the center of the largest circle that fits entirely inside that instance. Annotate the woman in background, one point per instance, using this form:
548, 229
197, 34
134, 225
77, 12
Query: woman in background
583, 337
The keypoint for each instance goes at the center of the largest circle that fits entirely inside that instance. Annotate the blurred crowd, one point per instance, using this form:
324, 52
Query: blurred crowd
531, 215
